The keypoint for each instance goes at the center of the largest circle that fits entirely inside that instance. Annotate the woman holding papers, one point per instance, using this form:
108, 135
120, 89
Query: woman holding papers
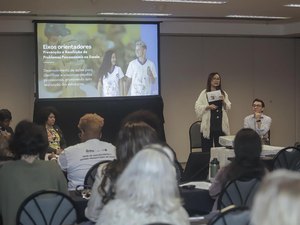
211, 109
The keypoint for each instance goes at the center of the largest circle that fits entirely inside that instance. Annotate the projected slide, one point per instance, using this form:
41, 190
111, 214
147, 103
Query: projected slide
83, 60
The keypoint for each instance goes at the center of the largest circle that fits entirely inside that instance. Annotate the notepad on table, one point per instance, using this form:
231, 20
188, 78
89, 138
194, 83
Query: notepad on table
198, 184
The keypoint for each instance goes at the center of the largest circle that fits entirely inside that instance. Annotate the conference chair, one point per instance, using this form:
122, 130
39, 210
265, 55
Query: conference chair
89, 179
268, 141
238, 192
287, 158
197, 167
47, 207
195, 136
233, 216
91, 173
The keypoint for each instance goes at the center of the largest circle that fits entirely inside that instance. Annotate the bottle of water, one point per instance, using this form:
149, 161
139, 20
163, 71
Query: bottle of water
214, 167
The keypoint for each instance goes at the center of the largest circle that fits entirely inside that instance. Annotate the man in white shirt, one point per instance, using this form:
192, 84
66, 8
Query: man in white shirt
76, 160
258, 121
141, 72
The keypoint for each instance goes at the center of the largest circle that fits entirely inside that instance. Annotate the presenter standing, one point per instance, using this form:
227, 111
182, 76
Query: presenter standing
141, 72
258, 121
211, 109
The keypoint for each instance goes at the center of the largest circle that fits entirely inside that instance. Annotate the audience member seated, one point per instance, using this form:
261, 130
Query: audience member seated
5, 119
152, 120
258, 121
47, 117
246, 164
76, 160
146, 192
27, 174
132, 137
277, 202
5, 154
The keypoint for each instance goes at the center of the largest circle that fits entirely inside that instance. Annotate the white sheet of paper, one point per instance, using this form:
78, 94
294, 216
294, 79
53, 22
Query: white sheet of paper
199, 184
214, 96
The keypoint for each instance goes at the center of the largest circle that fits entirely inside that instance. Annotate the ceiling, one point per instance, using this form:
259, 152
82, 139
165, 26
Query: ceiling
88, 9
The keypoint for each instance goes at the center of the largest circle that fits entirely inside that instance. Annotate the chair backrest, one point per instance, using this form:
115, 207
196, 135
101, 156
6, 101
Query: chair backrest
195, 135
47, 207
287, 158
197, 167
233, 216
268, 142
239, 192
91, 173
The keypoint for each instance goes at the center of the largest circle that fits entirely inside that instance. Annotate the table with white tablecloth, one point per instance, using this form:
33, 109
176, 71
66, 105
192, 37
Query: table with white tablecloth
224, 154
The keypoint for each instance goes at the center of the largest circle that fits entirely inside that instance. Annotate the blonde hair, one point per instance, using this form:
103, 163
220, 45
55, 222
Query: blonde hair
141, 43
91, 122
278, 200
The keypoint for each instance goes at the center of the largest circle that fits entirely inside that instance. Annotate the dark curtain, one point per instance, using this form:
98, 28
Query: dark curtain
112, 110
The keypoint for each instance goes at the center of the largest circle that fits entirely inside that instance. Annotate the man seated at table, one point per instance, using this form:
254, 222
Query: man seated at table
258, 121
76, 160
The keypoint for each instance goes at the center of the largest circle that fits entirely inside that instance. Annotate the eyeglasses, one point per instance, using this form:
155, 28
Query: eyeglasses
255, 105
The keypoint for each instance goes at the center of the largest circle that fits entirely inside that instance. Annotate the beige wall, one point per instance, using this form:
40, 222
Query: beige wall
17, 75
250, 67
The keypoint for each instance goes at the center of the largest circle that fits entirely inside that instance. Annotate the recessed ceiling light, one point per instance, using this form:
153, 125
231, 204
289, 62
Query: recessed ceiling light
188, 1
133, 14
258, 17
292, 5
14, 12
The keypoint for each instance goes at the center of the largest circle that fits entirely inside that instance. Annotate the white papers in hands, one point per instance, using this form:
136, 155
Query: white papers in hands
214, 96
198, 184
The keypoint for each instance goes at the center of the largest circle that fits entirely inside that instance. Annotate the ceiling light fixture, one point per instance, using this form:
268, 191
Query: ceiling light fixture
14, 12
258, 17
188, 1
293, 5
133, 14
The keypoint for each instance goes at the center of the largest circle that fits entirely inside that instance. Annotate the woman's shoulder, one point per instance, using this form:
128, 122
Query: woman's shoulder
202, 94
101, 168
118, 68
7, 166
115, 206
115, 212
203, 91
38, 165
50, 165
224, 92
57, 128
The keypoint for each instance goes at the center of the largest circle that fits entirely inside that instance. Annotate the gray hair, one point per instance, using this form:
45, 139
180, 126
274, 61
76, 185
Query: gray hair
149, 181
278, 199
